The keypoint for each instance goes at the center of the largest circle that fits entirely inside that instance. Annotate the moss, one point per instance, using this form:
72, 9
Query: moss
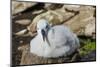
88, 47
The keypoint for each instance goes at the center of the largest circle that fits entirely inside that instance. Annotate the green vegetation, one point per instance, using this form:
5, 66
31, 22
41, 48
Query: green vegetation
88, 47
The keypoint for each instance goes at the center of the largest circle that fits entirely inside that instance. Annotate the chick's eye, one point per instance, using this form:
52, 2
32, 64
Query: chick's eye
47, 26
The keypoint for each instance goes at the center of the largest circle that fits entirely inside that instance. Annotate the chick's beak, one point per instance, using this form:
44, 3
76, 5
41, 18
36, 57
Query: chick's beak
43, 34
45, 38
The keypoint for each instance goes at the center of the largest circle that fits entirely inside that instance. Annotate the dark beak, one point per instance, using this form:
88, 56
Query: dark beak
43, 34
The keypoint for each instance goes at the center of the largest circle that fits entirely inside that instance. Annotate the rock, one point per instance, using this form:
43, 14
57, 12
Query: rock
25, 47
38, 12
20, 33
29, 58
54, 17
79, 22
23, 21
89, 57
90, 28
49, 6
72, 7
18, 7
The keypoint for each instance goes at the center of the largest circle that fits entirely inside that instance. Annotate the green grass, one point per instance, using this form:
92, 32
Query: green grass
88, 47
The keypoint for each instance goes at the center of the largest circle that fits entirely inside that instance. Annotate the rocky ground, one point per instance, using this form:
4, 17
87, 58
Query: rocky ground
81, 19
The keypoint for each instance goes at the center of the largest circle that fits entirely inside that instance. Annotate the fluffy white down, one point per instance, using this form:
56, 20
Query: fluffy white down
62, 41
